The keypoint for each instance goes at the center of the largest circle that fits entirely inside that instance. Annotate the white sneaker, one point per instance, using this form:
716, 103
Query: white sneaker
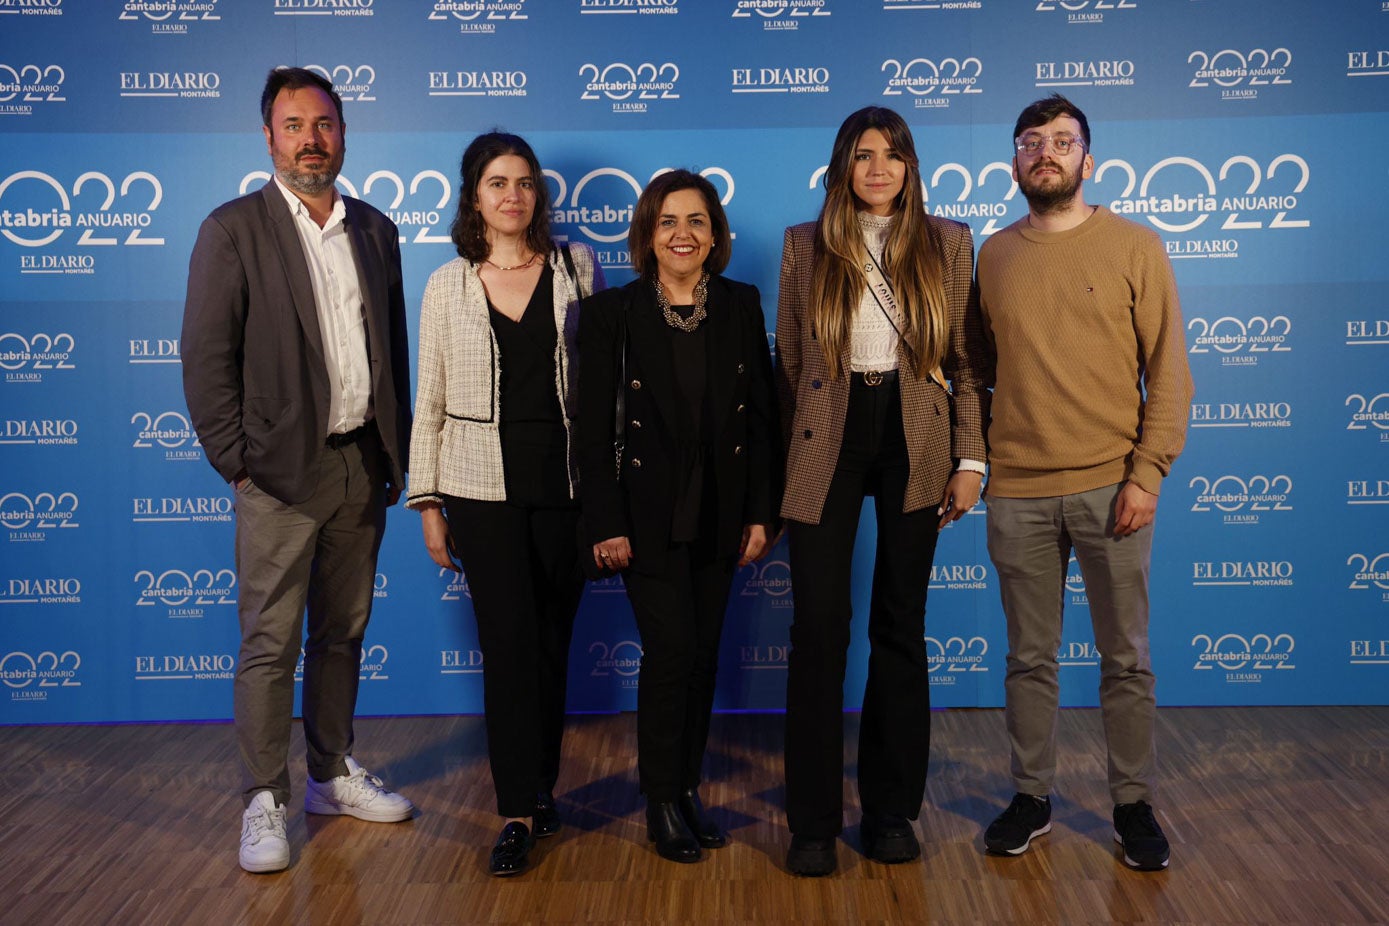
358, 794
264, 845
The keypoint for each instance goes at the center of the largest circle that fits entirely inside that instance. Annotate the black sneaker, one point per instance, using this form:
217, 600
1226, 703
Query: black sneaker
1137, 830
811, 858
889, 839
1013, 830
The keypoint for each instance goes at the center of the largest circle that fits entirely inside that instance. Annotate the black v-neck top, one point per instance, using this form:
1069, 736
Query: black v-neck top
535, 459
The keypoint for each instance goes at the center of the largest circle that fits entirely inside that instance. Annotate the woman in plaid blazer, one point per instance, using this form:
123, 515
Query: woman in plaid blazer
877, 314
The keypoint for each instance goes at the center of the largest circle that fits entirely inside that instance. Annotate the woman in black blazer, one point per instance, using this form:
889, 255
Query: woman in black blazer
683, 353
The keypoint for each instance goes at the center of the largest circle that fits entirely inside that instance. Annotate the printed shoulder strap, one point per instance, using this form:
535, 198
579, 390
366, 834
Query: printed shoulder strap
887, 301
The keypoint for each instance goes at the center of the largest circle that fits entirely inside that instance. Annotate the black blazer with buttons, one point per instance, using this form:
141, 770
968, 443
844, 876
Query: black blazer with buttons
746, 459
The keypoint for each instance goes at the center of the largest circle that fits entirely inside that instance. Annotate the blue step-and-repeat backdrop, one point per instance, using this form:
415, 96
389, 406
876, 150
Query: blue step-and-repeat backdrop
1253, 135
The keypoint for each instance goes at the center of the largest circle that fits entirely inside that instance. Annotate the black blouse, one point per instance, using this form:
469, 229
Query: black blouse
694, 496
535, 457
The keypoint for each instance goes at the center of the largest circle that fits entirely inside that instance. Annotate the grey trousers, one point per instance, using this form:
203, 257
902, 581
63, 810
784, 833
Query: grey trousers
322, 554
1030, 542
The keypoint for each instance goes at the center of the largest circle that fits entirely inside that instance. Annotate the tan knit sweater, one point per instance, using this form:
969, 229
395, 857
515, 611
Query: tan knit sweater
1093, 386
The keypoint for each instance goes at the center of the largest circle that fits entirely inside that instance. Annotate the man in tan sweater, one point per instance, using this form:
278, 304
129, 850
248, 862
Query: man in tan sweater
1089, 411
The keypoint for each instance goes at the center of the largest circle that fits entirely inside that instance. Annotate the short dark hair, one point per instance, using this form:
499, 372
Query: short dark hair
294, 79
1048, 108
648, 212
469, 231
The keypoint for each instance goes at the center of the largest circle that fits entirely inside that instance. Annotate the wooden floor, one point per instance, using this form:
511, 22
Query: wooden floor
1276, 815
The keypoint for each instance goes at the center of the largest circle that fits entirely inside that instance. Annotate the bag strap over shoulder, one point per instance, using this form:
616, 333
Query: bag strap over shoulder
569, 267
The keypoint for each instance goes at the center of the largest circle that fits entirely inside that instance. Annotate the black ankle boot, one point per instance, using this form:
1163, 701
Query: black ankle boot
666, 827
705, 830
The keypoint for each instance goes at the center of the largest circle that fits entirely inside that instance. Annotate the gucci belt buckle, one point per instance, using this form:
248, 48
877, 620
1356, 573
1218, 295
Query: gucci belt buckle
873, 378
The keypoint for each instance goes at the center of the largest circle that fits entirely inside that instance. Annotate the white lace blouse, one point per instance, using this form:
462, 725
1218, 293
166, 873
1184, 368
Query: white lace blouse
872, 339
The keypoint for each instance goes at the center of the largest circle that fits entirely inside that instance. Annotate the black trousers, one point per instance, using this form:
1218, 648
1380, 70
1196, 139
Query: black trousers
679, 614
523, 573
895, 730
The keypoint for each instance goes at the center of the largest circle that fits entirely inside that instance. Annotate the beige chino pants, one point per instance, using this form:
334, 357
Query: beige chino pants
1030, 541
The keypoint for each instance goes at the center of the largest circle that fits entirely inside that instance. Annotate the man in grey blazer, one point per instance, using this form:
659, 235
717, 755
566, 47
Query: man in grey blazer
296, 373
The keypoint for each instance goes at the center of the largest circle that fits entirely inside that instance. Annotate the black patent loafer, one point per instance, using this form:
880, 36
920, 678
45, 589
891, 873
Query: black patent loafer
545, 817
509, 855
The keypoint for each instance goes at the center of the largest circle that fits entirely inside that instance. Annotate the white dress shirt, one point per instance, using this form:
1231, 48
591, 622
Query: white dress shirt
338, 300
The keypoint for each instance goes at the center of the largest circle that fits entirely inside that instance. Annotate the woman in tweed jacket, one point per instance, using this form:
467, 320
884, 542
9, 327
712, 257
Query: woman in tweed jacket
862, 384
492, 463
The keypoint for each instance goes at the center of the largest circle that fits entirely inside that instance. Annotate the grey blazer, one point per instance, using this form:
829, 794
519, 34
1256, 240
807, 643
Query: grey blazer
254, 373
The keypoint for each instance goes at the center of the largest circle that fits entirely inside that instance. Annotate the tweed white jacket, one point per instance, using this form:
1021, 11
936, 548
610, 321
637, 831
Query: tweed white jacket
456, 446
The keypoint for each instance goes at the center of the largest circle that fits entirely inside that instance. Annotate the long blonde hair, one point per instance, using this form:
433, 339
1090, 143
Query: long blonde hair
911, 258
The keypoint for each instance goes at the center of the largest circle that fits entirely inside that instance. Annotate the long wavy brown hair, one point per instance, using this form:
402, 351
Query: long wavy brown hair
911, 259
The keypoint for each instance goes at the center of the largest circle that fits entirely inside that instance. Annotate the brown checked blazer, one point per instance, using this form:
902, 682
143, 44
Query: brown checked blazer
941, 427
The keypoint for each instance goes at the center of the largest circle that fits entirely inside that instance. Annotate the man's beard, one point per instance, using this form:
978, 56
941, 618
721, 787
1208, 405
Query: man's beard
306, 181
1057, 196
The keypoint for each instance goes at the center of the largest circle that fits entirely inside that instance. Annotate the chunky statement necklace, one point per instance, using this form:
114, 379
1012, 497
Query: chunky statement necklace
529, 260
672, 317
